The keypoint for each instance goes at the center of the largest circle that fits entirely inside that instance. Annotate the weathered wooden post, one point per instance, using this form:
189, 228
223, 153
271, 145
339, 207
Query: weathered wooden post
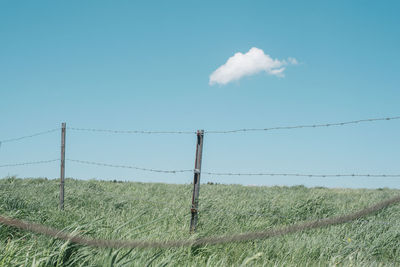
62, 168
196, 180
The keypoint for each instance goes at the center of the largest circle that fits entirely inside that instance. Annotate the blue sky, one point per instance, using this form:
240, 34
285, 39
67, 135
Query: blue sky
128, 65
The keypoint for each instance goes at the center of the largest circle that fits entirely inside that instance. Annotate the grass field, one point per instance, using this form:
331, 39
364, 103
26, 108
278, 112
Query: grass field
116, 210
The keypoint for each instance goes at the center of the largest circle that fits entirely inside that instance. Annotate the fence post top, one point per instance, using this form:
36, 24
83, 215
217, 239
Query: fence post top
200, 132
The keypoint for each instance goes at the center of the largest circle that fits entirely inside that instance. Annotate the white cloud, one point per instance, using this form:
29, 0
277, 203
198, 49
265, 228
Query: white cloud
293, 61
247, 64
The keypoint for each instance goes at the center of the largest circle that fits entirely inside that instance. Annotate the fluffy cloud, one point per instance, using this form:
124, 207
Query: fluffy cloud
247, 64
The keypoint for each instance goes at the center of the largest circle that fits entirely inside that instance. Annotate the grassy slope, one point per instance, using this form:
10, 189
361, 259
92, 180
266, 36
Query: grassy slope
161, 212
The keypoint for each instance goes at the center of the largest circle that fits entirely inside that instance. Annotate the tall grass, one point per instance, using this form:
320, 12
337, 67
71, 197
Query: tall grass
113, 210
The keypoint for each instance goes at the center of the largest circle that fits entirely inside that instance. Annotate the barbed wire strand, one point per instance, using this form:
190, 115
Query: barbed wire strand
194, 132
28, 136
300, 174
126, 166
232, 173
205, 173
236, 130
102, 243
129, 131
29, 163
302, 126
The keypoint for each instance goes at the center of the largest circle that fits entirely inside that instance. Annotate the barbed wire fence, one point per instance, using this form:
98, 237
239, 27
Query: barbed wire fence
126, 166
344, 123
28, 136
29, 163
196, 182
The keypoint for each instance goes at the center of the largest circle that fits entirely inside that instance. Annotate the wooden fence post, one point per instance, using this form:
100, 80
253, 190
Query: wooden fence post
196, 180
62, 168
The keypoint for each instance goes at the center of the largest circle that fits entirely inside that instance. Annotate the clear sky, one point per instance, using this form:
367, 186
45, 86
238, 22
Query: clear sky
131, 65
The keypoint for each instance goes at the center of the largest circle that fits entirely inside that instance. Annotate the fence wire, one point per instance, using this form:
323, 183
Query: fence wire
126, 166
233, 173
102, 243
28, 136
303, 126
129, 131
301, 174
205, 172
29, 163
233, 131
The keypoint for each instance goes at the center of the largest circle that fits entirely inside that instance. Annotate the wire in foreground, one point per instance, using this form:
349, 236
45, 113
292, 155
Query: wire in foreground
129, 131
236, 130
29, 163
102, 243
303, 126
126, 166
28, 136
300, 174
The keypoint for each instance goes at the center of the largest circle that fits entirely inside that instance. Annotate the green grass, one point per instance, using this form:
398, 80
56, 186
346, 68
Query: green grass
102, 209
